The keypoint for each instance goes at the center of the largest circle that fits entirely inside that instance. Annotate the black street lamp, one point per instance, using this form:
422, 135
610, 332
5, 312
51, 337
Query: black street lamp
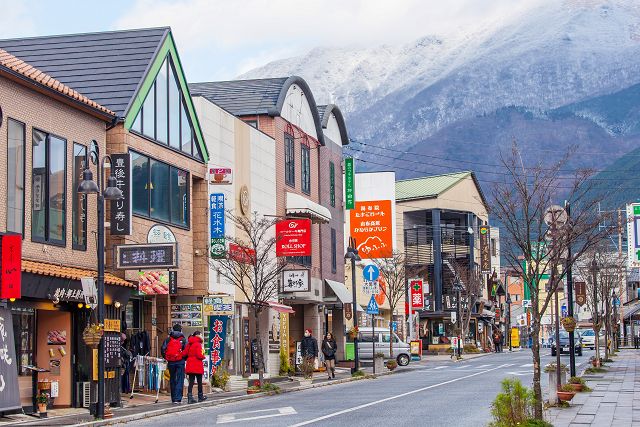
508, 302
111, 192
352, 254
457, 286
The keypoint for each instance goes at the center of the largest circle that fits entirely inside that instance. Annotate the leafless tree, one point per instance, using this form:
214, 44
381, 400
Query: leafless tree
471, 280
254, 268
393, 270
520, 202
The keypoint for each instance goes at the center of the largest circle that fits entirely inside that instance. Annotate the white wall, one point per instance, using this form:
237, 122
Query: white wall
495, 260
296, 110
332, 131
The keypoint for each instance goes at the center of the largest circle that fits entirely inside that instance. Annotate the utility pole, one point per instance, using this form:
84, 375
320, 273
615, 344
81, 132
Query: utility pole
623, 277
572, 350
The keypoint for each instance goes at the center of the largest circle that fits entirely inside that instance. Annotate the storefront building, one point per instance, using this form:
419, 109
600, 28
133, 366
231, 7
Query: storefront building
46, 129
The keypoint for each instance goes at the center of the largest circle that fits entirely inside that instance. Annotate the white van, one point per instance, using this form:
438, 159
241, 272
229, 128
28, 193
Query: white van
367, 340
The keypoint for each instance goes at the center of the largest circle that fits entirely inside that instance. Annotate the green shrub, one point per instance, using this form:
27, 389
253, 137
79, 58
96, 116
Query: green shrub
535, 423
285, 368
270, 387
595, 370
513, 406
358, 374
220, 377
470, 348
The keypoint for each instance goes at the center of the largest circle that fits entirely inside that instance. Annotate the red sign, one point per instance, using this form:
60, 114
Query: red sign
11, 265
417, 294
241, 254
293, 237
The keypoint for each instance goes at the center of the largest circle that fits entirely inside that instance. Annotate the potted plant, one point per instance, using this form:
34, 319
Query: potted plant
595, 361
353, 332
306, 368
566, 393
392, 364
378, 361
576, 383
254, 387
92, 334
569, 323
42, 400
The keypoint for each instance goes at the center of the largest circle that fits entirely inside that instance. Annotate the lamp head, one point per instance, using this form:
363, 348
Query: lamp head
112, 192
88, 185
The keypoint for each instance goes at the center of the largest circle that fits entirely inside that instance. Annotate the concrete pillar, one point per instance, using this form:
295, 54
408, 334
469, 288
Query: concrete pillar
437, 260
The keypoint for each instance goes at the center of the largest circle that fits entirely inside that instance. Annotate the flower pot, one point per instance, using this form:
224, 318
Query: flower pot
391, 367
91, 339
566, 396
42, 408
576, 387
252, 391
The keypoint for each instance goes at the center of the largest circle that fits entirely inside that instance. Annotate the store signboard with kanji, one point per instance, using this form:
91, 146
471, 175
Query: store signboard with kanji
293, 237
417, 295
217, 305
217, 338
9, 389
146, 256
633, 235
295, 281
371, 227
121, 209
349, 184
216, 208
241, 254
485, 251
10, 265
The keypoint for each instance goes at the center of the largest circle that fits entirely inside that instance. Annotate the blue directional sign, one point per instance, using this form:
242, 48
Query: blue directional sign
372, 307
371, 273
563, 310
616, 302
394, 326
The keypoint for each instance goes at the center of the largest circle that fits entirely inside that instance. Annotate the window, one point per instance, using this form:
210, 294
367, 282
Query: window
334, 253
367, 337
289, 160
252, 123
48, 188
493, 247
306, 168
164, 116
332, 184
300, 260
79, 218
160, 191
15, 176
385, 338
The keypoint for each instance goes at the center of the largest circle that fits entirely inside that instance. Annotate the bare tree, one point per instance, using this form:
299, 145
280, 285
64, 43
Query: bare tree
253, 268
394, 272
520, 202
471, 280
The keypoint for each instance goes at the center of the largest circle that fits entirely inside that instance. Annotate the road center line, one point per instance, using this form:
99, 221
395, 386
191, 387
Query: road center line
365, 405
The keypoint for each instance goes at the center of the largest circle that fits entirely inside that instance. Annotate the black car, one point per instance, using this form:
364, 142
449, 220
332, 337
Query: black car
564, 343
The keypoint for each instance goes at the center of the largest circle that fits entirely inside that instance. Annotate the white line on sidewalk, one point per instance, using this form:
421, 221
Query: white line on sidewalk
355, 408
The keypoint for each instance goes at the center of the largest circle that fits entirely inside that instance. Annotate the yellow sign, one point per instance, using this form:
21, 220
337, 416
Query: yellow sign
515, 337
415, 347
112, 325
284, 333
95, 364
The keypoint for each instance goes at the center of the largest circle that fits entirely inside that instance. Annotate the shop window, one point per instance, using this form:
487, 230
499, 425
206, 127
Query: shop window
160, 191
306, 168
48, 188
15, 176
332, 184
133, 314
24, 328
79, 214
334, 253
289, 160
300, 260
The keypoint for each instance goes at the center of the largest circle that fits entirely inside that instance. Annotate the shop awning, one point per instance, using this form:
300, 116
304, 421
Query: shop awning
71, 273
631, 310
487, 313
301, 206
280, 308
340, 290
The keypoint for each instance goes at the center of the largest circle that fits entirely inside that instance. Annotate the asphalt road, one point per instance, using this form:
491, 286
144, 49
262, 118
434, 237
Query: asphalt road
434, 394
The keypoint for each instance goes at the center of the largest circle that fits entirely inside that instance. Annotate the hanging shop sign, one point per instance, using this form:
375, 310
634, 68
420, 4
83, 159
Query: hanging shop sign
121, 209
10, 265
9, 396
293, 237
633, 235
217, 305
217, 338
216, 207
349, 184
160, 234
153, 282
580, 289
241, 254
348, 311
220, 176
146, 256
186, 314
284, 333
371, 227
112, 325
112, 342
295, 281
485, 252
173, 282
417, 295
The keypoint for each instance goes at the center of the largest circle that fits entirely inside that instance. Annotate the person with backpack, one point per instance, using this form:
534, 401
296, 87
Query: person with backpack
195, 369
173, 350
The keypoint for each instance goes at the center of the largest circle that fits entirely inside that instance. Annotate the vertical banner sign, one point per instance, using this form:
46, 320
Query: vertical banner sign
217, 338
293, 237
417, 295
349, 184
11, 266
9, 395
371, 225
121, 209
216, 205
633, 235
580, 289
173, 282
485, 252
284, 334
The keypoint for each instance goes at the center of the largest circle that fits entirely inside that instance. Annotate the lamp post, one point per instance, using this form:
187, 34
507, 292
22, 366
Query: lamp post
614, 322
352, 254
111, 192
457, 286
594, 314
508, 302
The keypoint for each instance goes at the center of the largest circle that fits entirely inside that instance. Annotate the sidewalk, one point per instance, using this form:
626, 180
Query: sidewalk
614, 401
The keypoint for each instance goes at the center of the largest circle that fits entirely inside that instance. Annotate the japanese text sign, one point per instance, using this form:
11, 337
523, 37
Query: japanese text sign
220, 176
121, 209
216, 207
371, 226
217, 305
633, 235
137, 257
580, 288
293, 237
217, 338
295, 281
241, 254
417, 295
349, 184
9, 395
10, 265
485, 252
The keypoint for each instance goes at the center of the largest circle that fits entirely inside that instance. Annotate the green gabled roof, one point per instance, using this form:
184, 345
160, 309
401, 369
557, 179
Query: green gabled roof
429, 187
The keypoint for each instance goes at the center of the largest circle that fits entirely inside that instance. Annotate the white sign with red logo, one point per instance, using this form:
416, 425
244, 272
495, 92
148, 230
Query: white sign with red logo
293, 237
417, 293
220, 176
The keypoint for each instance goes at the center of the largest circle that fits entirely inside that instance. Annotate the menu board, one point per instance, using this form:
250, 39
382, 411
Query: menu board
111, 349
186, 314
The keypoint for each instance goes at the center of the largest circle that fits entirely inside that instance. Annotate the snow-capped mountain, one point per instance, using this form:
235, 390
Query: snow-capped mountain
518, 77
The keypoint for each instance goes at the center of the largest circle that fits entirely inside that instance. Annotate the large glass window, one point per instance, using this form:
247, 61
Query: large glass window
48, 188
332, 184
306, 168
79, 224
15, 176
185, 131
162, 101
175, 110
289, 160
149, 114
160, 191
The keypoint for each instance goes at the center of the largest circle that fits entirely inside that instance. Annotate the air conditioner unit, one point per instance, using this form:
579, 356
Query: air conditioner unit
83, 395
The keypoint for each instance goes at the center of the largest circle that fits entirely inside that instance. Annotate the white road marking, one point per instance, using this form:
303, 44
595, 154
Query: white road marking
439, 367
233, 417
366, 405
520, 373
508, 364
527, 365
483, 366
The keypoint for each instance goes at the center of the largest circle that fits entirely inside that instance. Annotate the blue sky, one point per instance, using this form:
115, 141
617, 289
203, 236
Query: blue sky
219, 40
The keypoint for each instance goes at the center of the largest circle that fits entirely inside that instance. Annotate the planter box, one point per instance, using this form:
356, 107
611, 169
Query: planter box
379, 364
566, 396
576, 387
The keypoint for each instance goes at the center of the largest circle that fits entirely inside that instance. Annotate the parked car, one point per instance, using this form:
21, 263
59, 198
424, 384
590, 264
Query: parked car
589, 338
367, 342
564, 343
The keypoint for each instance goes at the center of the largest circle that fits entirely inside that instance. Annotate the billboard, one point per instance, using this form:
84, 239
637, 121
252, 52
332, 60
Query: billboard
293, 237
371, 226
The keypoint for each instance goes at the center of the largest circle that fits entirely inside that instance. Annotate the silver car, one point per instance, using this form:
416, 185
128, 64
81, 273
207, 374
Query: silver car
589, 338
367, 341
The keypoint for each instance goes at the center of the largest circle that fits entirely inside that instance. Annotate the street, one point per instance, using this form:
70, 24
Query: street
444, 393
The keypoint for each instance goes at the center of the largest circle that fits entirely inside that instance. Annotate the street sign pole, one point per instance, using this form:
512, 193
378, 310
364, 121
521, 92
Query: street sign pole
572, 353
373, 338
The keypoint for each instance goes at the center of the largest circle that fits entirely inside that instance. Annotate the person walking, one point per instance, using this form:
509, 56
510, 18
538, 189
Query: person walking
496, 341
173, 350
329, 348
309, 346
195, 368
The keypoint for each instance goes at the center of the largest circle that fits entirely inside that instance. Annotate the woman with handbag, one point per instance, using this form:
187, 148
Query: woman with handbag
329, 348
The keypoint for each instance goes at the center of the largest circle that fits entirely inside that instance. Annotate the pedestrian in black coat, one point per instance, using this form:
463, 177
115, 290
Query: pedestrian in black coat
329, 348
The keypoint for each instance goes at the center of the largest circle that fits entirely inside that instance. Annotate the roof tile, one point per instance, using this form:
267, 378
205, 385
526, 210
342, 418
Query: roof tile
54, 270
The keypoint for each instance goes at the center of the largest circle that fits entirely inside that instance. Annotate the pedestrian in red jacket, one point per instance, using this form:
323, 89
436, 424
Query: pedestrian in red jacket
194, 367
